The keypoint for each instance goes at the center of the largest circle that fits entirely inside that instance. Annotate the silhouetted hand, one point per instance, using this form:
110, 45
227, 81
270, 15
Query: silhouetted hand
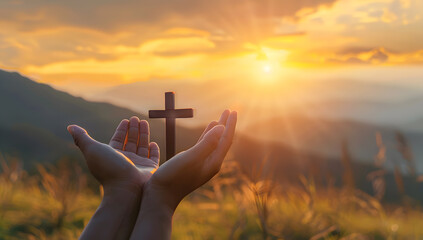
128, 161
181, 175
192, 168
122, 167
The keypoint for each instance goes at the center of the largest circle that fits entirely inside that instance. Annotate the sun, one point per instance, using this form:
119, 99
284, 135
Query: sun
267, 73
267, 66
267, 69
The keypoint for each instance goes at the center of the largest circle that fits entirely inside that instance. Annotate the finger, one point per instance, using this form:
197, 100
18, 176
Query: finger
144, 139
226, 139
224, 117
118, 139
154, 152
206, 146
80, 137
222, 121
133, 132
210, 126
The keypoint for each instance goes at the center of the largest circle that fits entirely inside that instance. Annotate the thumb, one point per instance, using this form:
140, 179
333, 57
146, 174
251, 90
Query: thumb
207, 145
80, 137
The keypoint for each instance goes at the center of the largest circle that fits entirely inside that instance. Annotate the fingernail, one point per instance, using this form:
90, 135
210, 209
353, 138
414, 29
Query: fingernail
219, 130
69, 128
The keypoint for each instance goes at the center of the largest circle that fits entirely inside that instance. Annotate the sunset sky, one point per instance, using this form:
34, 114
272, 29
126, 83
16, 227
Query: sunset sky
83, 46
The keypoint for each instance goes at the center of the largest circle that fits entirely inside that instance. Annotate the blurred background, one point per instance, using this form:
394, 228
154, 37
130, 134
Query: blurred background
329, 143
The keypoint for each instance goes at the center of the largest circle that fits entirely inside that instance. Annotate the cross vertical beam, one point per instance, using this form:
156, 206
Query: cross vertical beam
170, 125
170, 114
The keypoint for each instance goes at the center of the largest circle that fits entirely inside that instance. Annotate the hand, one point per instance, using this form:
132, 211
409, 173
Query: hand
127, 162
190, 169
122, 167
181, 175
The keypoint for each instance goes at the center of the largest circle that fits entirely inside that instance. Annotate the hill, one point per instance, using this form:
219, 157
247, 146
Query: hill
368, 102
34, 119
325, 137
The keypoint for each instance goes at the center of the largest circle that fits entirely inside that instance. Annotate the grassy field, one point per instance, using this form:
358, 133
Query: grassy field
57, 203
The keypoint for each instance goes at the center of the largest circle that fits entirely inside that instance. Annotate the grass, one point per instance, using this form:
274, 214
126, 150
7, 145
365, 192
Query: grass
57, 204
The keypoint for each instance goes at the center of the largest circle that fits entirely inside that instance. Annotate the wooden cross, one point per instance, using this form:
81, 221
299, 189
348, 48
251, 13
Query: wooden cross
170, 114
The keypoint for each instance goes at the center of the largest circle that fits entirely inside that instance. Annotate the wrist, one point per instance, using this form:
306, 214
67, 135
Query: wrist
120, 197
156, 198
117, 213
122, 188
154, 217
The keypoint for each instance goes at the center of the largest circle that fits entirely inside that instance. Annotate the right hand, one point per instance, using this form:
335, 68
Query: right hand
192, 168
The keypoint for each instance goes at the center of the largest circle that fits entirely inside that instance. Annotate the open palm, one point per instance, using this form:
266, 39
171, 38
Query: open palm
181, 175
129, 159
190, 169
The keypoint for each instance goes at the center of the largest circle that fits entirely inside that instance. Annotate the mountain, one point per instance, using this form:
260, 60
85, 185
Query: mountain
374, 103
415, 125
315, 116
285, 165
35, 116
405, 114
325, 138
207, 98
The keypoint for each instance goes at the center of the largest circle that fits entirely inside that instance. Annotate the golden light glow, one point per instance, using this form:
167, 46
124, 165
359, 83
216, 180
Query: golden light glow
73, 51
267, 69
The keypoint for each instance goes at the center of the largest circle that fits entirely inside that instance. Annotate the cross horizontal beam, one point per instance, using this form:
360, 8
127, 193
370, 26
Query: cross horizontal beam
172, 113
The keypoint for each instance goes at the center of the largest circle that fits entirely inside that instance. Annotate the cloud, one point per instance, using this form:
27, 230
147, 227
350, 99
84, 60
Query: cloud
375, 56
178, 46
113, 15
379, 56
41, 32
354, 50
361, 55
140, 39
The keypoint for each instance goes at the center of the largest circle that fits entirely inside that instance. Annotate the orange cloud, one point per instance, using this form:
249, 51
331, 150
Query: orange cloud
123, 41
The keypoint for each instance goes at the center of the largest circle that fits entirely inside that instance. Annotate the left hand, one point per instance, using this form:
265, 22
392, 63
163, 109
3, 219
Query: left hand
127, 162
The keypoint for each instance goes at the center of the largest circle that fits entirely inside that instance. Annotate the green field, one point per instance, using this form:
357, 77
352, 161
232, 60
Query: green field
57, 203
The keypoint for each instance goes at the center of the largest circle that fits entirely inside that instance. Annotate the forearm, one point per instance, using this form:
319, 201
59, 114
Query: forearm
154, 219
116, 215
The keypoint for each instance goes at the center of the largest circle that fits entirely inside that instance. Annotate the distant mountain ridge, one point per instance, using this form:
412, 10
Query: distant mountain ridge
325, 137
35, 116
368, 102
318, 126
